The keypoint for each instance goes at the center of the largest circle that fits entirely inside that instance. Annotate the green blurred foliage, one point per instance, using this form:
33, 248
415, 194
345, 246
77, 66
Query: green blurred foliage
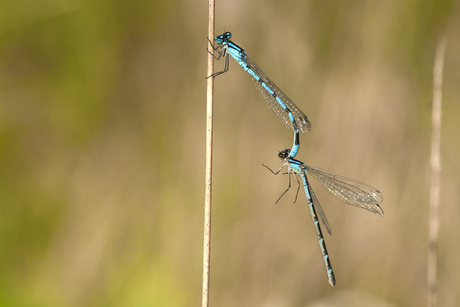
102, 126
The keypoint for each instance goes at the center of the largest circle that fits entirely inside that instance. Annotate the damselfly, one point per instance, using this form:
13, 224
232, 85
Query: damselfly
347, 190
276, 101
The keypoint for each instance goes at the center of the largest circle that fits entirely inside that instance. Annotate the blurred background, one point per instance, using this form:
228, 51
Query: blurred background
102, 138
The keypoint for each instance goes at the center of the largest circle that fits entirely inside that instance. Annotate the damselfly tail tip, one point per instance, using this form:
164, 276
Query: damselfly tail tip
332, 281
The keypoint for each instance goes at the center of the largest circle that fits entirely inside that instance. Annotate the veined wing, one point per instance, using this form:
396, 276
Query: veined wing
301, 120
349, 191
319, 210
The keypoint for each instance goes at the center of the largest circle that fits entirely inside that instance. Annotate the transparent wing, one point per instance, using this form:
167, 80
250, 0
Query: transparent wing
349, 191
301, 120
319, 210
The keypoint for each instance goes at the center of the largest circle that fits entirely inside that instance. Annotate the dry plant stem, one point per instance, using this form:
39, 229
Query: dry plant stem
435, 164
208, 167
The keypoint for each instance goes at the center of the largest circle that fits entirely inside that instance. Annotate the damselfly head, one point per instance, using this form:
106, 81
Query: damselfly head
284, 154
223, 37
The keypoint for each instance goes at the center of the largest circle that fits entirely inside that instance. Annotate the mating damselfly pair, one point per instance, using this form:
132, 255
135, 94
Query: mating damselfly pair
347, 190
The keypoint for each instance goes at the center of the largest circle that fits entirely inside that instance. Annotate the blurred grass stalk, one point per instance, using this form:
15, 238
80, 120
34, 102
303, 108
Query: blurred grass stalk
435, 164
208, 167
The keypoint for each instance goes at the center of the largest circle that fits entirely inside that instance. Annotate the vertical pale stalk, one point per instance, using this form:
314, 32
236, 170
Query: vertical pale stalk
435, 164
208, 167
